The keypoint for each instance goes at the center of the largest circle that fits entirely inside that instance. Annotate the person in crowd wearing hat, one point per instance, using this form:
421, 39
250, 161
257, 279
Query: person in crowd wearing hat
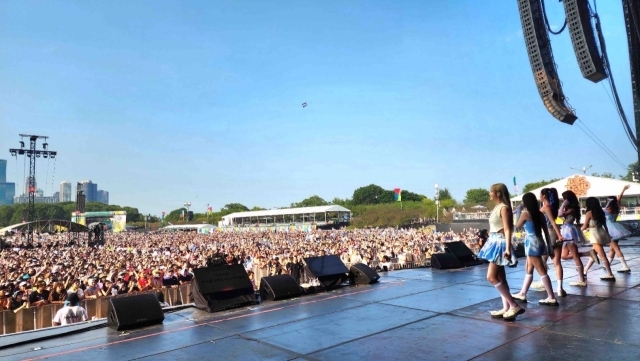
72, 312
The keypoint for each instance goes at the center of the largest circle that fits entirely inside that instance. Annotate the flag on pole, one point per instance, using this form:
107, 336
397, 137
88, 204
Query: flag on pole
515, 185
182, 213
163, 215
209, 209
397, 194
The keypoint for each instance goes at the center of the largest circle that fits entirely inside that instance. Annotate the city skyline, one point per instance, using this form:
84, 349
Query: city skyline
203, 102
64, 194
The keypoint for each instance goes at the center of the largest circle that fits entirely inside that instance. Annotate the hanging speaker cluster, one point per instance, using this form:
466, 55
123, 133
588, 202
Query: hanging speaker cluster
541, 59
583, 39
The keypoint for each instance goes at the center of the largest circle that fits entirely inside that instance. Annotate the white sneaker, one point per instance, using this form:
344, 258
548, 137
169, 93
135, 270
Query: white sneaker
578, 284
537, 286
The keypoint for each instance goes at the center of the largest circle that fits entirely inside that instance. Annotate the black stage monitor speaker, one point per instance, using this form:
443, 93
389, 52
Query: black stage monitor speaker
445, 261
329, 270
136, 311
279, 287
465, 256
361, 274
221, 287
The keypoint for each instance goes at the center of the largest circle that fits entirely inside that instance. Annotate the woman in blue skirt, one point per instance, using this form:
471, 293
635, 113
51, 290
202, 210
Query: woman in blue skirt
497, 250
550, 205
534, 247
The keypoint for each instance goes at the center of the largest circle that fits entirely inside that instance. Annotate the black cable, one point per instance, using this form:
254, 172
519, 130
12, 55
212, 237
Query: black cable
633, 18
612, 84
546, 21
601, 147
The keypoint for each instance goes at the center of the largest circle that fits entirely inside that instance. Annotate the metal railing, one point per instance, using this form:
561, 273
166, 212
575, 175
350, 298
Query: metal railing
35, 318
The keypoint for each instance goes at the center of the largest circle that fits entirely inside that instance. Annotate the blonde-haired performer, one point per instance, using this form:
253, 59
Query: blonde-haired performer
497, 250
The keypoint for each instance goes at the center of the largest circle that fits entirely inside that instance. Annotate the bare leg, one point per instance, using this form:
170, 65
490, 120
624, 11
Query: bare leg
605, 262
615, 248
528, 277
577, 260
540, 266
497, 276
558, 266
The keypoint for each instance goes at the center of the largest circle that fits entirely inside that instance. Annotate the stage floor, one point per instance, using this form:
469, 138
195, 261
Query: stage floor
409, 315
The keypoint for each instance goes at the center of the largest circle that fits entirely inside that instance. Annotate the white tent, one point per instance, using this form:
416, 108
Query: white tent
585, 186
284, 215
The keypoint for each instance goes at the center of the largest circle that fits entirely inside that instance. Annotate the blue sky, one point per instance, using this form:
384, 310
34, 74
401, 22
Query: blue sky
164, 102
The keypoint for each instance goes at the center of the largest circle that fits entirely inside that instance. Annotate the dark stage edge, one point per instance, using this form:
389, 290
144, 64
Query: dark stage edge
410, 315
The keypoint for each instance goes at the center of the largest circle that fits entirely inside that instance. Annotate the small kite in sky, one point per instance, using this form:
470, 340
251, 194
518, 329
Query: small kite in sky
304, 105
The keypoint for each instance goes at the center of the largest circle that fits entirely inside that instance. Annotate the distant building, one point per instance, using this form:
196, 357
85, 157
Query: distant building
103, 197
24, 198
26, 185
7, 190
90, 190
56, 196
65, 192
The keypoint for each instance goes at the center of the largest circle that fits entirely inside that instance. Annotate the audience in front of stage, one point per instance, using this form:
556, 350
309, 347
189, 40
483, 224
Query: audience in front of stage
59, 266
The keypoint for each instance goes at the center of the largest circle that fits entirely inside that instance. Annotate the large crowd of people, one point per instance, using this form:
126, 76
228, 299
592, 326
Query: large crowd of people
136, 262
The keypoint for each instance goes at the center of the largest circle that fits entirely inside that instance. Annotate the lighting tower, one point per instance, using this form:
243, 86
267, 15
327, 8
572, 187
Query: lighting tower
32, 153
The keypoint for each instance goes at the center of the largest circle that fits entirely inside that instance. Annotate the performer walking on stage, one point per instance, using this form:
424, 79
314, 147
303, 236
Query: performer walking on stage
550, 205
570, 211
497, 250
616, 230
534, 247
595, 220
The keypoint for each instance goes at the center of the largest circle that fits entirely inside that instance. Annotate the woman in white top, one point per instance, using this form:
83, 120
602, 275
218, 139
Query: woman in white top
497, 250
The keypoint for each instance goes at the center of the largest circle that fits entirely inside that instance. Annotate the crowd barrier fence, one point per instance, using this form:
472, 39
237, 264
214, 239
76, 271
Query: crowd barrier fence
35, 318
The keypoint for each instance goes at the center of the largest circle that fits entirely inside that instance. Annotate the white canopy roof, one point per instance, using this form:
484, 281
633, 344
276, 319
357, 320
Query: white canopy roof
585, 186
187, 226
286, 211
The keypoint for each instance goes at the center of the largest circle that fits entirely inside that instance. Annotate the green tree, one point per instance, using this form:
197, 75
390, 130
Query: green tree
603, 175
476, 195
312, 201
256, 208
444, 194
371, 194
234, 207
630, 169
531, 186
341, 202
411, 197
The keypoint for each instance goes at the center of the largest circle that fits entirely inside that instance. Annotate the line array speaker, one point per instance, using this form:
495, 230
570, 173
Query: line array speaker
583, 40
541, 60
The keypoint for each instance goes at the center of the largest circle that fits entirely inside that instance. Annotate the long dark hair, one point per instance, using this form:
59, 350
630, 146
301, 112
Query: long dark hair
501, 190
531, 204
612, 204
593, 205
574, 204
554, 202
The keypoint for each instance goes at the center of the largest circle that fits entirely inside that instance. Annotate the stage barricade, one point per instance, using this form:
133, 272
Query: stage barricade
35, 318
